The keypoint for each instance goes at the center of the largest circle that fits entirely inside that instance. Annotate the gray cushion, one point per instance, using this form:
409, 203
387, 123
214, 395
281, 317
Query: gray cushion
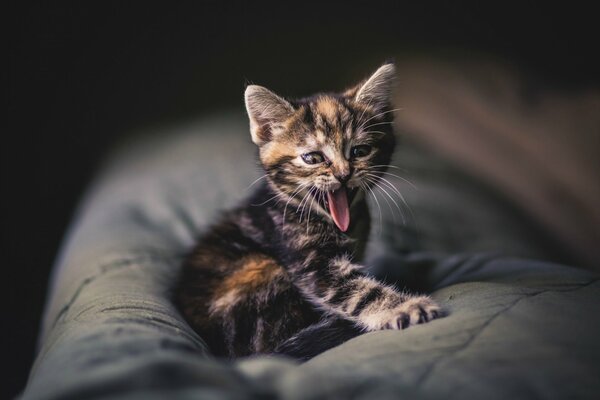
516, 328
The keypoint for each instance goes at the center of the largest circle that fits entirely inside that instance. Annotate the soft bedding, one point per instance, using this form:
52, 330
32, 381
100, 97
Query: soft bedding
516, 328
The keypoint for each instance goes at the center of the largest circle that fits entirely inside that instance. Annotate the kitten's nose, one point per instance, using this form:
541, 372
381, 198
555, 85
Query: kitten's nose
343, 177
342, 172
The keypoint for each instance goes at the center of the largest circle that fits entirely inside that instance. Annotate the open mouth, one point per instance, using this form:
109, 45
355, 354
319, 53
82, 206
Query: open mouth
338, 203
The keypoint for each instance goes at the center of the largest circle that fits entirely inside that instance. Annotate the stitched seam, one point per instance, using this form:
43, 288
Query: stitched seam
104, 269
474, 336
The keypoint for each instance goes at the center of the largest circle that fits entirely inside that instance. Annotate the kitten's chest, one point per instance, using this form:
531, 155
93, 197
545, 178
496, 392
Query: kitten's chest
326, 238
359, 230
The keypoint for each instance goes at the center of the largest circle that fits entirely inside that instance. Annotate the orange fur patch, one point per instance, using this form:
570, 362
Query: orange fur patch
328, 108
256, 270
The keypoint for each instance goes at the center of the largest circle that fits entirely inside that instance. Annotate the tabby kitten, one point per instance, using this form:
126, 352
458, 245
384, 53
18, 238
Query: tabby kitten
278, 274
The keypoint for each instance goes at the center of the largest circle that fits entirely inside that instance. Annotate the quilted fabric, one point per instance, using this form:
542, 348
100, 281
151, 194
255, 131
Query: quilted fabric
516, 328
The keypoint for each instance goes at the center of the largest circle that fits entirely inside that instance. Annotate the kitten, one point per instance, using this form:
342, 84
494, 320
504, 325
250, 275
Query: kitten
279, 273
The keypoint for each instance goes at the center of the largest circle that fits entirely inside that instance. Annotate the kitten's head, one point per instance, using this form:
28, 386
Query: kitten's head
318, 152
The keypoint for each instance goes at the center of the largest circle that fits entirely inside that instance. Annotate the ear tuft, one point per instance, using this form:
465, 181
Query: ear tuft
377, 90
266, 111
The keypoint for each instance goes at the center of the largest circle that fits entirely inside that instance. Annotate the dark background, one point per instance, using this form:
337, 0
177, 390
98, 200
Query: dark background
80, 77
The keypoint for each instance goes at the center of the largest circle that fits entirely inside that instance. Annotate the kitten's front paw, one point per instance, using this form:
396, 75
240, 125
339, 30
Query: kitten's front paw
415, 310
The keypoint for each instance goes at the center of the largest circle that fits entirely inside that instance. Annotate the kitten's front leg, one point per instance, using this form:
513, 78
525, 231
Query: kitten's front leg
344, 290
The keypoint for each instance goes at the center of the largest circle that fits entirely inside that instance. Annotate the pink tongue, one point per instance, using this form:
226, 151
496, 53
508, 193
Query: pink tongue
338, 207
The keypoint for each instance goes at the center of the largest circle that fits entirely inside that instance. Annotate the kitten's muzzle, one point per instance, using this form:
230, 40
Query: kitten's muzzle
344, 178
343, 174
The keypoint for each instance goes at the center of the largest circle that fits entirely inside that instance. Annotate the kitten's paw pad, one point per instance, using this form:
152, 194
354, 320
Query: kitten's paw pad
416, 310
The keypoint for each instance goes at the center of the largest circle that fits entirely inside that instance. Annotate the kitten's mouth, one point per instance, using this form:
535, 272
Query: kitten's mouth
338, 203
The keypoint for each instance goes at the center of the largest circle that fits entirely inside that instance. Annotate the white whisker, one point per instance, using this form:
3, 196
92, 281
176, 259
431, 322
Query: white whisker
293, 195
386, 201
304, 200
381, 132
309, 210
389, 184
377, 124
382, 188
380, 114
363, 113
378, 206
281, 194
397, 191
391, 174
388, 166
255, 181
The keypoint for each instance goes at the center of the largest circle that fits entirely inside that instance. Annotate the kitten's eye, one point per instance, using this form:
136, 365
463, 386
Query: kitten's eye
361, 151
313, 158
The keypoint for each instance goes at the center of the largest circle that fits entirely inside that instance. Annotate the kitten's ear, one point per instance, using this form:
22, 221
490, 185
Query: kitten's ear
376, 91
266, 111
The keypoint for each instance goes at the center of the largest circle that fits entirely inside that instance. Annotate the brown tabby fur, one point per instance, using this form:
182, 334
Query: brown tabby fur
276, 275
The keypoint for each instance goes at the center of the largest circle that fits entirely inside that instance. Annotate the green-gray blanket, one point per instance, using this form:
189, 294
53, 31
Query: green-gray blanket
516, 328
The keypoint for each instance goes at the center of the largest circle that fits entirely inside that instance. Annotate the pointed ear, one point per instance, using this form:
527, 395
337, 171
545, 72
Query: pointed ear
376, 91
266, 111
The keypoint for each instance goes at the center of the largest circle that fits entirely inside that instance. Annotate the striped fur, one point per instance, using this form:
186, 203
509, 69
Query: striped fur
278, 271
